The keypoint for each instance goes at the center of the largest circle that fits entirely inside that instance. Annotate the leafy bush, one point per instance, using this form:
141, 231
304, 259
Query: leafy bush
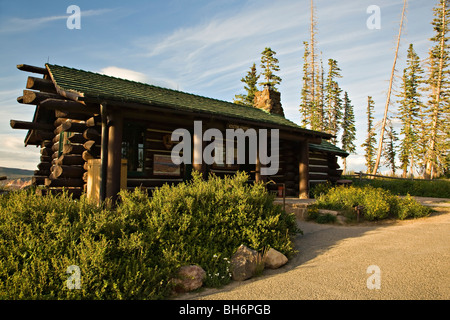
133, 251
200, 219
377, 203
326, 218
320, 188
418, 188
40, 237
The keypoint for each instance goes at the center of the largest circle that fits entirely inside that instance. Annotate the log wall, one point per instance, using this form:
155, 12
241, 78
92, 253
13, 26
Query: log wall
323, 167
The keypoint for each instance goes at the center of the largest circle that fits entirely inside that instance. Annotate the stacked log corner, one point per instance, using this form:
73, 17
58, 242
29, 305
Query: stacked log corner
59, 167
69, 167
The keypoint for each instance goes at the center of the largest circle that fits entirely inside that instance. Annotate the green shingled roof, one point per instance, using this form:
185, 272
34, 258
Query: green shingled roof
97, 86
327, 147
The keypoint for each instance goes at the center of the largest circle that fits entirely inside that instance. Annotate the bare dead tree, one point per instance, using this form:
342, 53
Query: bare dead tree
388, 98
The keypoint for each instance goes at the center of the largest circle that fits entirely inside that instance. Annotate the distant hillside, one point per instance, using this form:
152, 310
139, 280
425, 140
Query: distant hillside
12, 173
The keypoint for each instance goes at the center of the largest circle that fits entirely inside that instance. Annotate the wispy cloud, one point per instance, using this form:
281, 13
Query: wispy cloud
137, 76
124, 74
19, 25
203, 49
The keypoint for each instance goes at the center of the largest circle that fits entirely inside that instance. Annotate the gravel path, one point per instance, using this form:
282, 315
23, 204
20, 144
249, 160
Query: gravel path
413, 257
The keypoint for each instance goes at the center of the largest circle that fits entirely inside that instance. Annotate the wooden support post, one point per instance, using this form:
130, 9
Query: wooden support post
303, 168
103, 152
197, 154
258, 177
114, 154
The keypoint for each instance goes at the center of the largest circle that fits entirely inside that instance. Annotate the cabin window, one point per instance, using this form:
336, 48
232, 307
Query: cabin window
133, 148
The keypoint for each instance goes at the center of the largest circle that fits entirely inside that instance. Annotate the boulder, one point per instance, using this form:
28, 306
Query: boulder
189, 278
274, 259
244, 263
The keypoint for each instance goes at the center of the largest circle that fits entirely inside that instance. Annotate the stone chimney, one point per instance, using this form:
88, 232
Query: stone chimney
268, 100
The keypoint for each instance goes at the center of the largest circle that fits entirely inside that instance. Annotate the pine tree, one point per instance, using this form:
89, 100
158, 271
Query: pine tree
370, 142
408, 112
348, 128
269, 64
312, 55
438, 104
333, 101
422, 139
390, 148
312, 95
317, 107
250, 87
305, 104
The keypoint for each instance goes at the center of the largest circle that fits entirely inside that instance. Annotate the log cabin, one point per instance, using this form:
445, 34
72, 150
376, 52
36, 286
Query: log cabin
80, 116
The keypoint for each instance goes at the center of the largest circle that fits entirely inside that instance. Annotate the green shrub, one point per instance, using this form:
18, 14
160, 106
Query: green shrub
407, 207
312, 212
320, 188
377, 203
326, 218
133, 251
200, 219
436, 188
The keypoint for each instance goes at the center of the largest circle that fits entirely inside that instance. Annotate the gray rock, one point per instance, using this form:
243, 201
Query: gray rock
244, 263
189, 278
274, 259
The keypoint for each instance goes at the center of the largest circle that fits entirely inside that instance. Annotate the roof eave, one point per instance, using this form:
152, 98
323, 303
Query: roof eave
176, 109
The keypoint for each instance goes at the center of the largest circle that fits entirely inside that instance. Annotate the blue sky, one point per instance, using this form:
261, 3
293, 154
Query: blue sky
204, 47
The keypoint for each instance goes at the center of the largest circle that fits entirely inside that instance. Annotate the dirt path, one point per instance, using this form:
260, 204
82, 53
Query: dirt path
413, 257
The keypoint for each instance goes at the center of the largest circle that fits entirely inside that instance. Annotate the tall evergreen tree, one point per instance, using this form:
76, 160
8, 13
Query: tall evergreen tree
408, 112
312, 94
269, 65
370, 142
348, 129
305, 104
312, 55
438, 104
250, 81
317, 108
312, 101
333, 101
390, 148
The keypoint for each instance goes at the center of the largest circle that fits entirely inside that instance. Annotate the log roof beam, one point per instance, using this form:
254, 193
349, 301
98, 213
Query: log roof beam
40, 84
33, 69
26, 125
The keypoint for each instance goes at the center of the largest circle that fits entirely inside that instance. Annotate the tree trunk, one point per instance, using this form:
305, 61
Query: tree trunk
312, 44
388, 99
430, 169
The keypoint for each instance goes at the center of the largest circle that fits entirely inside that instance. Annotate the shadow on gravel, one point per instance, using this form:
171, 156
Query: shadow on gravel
318, 239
